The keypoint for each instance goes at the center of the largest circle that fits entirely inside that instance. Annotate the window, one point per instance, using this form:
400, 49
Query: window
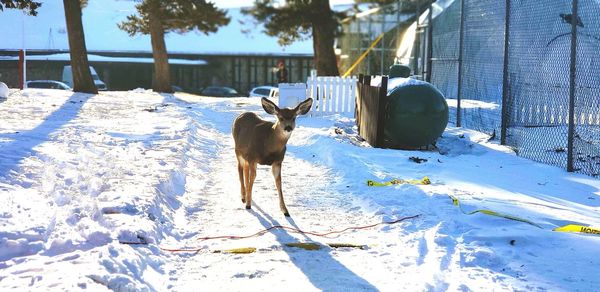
39, 85
262, 91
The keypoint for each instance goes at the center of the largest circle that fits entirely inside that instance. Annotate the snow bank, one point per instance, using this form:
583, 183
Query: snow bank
83, 173
80, 175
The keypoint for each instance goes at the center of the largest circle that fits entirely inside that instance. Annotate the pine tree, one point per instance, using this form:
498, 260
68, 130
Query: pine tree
30, 7
82, 77
156, 17
301, 19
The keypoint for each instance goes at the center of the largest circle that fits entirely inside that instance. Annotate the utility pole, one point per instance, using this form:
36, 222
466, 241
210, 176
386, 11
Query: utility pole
23, 57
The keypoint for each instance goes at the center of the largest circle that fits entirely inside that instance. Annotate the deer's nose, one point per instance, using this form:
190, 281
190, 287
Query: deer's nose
288, 128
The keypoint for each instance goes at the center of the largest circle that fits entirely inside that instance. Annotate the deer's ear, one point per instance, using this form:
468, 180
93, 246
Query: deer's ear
304, 107
269, 106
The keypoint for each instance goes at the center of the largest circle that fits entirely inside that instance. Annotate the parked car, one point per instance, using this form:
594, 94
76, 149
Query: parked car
67, 78
264, 91
3, 90
49, 84
219, 91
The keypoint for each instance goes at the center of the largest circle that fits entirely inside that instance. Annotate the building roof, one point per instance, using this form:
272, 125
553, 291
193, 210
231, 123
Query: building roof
103, 59
47, 31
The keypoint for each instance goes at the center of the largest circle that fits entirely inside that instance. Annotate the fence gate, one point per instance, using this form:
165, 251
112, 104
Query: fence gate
332, 95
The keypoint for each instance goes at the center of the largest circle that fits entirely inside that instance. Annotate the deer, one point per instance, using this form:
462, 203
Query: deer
258, 141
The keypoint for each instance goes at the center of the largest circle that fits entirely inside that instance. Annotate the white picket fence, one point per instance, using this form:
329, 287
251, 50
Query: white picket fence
332, 95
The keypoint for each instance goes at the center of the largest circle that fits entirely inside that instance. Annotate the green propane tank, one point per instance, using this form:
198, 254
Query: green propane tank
398, 70
416, 113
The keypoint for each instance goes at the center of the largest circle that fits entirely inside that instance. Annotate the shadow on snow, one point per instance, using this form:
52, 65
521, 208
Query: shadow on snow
23, 144
313, 265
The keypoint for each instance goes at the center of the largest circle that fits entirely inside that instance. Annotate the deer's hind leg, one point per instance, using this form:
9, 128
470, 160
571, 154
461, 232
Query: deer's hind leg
240, 165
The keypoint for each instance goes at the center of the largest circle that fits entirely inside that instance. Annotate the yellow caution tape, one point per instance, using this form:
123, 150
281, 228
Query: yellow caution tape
455, 202
241, 250
424, 181
304, 245
578, 229
566, 228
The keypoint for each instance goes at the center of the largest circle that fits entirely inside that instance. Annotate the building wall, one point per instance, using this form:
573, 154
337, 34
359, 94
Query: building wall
239, 72
244, 73
9, 71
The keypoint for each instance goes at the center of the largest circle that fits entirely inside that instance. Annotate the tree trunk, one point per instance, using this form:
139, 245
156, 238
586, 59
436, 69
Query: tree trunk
82, 77
162, 75
323, 30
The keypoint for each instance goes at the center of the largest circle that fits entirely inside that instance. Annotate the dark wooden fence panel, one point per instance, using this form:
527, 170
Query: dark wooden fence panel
370, 110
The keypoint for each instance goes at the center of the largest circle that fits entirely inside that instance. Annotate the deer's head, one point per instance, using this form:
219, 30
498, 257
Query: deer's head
286, 117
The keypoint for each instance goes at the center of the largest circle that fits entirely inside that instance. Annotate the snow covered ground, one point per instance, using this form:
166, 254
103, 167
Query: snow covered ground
81, 173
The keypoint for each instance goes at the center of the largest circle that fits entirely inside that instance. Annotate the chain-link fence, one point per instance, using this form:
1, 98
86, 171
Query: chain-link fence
445, 53
538, 80
586, 136
481, 76
524, 71
542, 59
553, 83
462, 66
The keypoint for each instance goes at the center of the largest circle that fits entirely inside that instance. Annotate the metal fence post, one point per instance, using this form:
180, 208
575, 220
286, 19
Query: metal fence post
382, 44
429, 42
422, 47
370, 31
460, 61
572, 76
398, 30
505, 85
417, 42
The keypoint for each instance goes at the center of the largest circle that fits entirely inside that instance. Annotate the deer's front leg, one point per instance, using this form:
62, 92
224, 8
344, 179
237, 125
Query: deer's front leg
276, 168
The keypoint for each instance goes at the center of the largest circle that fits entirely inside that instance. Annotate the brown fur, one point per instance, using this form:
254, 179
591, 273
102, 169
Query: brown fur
262, 142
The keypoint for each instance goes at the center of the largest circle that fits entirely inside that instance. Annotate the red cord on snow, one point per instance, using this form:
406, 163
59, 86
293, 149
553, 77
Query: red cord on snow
292, 229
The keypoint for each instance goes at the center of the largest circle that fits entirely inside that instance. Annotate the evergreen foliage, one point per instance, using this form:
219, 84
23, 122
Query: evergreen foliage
156, 17
178, 16
30, 7
293, 20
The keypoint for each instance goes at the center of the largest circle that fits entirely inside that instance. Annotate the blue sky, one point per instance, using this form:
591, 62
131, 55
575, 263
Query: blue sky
47, 31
